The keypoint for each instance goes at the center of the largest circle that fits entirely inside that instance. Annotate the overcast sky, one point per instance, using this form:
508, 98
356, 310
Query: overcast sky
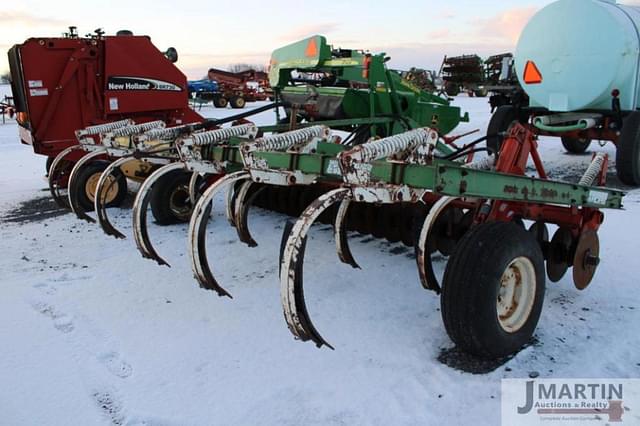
219, 33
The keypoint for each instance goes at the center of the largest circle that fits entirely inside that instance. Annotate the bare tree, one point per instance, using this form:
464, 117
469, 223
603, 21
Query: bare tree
5, 77
239, 67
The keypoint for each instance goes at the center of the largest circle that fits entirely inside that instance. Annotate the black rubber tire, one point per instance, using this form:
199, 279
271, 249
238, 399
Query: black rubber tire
162, 194
470, 289
480, 93
500, 122
237, 102
452, 89
85, 173
575, 145
628, 151
220, 102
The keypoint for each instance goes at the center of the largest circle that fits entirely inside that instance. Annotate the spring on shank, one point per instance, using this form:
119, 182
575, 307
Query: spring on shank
219, 135
593, 170
103, 128
164, 134
138, 128
283, 141
386, 147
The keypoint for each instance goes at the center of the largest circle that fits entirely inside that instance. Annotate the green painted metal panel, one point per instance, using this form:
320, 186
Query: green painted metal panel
304, 54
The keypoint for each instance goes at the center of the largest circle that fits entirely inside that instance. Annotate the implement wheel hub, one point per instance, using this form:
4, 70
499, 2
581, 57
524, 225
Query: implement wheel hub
180, 202
516, 294
109, 192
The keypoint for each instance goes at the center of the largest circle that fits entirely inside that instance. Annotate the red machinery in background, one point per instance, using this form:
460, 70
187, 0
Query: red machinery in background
63, 84
237, 85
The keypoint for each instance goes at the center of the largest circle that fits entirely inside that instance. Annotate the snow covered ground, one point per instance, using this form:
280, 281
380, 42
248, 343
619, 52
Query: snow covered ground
92, 333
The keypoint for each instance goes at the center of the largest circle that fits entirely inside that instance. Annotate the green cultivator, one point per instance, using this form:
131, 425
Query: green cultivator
362, 149
345, 90
494, 282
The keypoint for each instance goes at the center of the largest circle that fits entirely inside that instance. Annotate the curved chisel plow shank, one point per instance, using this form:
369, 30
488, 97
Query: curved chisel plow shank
153, 148
290, 167
88, 140
115, 143
487, 199
257, 172
195, 152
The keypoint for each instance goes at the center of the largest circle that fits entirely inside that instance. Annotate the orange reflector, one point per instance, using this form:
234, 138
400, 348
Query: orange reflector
532, 74
312, 49
22, 118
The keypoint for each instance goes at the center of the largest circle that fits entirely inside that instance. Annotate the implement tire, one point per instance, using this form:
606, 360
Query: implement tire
628, 152
493, 290
575, 145
87, 179
170, 201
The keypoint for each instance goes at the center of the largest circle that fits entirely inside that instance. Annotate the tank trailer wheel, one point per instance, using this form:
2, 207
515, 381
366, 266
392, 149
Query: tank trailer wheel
86, 183
628, 151
493, 290
575, 145
170, 198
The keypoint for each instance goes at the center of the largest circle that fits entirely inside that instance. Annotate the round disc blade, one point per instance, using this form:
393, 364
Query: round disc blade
586, 259
558, 262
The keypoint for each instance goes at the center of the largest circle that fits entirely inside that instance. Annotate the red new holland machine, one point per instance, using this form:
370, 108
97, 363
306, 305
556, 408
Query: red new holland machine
68, 83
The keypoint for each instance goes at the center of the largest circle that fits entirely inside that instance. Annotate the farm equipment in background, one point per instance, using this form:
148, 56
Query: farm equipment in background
463, 74
423, 79
7, 108
319, 83
228, 88
67, 83
496, 77
501, 81
203, 91
585, 88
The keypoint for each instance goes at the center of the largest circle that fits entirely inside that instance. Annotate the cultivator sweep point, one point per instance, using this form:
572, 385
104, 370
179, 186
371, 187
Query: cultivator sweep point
406, 167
